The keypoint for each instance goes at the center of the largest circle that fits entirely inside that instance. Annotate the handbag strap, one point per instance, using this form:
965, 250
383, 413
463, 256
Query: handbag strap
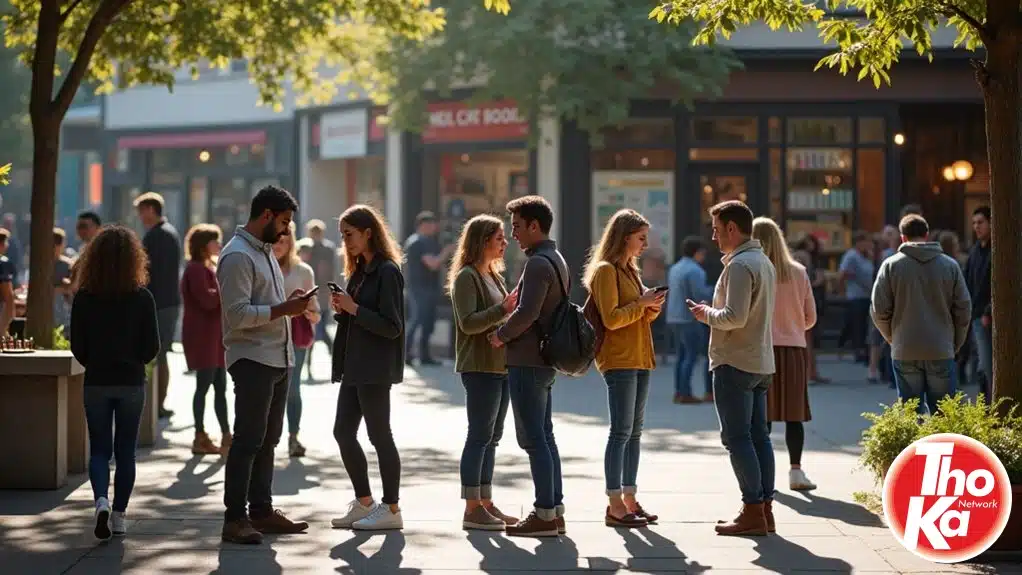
557, 270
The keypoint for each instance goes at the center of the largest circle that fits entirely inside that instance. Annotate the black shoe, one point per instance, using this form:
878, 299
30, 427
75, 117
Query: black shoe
166, 413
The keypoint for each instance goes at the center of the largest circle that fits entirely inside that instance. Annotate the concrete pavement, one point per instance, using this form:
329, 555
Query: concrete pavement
685, 477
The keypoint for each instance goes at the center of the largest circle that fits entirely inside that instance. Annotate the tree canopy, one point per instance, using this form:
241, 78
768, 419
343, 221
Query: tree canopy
583, 60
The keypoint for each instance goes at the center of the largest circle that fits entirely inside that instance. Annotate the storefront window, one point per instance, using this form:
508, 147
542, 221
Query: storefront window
870, 180
820, 195
776, 211
632, 160
481, 183
640, 132
725, 130
872, 131
198, 200
821, 131
231, 204
370, 183
723, 154
776, 132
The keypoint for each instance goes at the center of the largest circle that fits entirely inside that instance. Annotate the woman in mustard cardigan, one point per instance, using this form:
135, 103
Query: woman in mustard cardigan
627, 310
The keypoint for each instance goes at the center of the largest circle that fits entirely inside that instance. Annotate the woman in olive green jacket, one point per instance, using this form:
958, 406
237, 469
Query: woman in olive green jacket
481, 302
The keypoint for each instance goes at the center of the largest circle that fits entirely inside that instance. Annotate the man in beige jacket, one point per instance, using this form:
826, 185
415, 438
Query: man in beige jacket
742, 362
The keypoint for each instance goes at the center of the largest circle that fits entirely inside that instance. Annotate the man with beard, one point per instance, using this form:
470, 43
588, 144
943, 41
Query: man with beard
257, 337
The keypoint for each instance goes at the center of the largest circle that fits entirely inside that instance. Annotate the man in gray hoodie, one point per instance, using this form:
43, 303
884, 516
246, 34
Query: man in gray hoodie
921, 306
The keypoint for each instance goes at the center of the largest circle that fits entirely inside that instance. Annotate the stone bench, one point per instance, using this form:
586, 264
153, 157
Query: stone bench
42, 420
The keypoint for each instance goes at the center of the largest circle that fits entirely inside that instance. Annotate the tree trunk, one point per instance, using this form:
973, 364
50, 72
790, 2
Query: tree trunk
46, 134
1000, 83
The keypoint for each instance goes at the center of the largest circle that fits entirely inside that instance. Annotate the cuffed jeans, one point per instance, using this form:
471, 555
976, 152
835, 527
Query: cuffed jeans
294, 392
260, 396
487, 396
740, 399
693, 342
533, 410
627, 390
984, 340
929, 381
112, 414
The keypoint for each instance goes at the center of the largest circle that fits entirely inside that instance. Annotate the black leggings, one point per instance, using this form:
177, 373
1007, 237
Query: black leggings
795, 439
371, 402
217, 377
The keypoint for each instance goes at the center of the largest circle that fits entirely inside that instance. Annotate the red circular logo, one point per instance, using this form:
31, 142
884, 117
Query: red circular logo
947, 498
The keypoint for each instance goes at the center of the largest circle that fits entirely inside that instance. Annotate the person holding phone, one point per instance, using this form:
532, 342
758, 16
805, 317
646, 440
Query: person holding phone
368, 360
260, 356
626, 356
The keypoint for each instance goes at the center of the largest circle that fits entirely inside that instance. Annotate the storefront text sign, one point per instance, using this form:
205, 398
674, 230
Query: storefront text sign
459, 122
344, 134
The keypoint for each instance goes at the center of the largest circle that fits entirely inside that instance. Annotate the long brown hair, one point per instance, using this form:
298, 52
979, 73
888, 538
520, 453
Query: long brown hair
196, 240
612, 244
291, 258
381, 241
776, 249
113, 263
474, 236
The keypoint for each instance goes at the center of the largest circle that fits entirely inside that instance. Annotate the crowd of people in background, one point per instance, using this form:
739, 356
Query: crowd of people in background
916, 312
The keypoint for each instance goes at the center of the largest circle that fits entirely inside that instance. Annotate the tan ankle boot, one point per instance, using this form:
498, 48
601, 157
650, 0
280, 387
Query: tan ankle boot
751, 520
203, 445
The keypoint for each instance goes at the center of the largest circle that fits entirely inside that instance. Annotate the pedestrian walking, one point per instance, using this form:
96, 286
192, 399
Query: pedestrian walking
425, 262
202, 335
481, 303
794, 315
298, 275
977, 278
368, 360
114, 334
742, 363
687, 281
259, 357
921, 306
543, 286
627, 310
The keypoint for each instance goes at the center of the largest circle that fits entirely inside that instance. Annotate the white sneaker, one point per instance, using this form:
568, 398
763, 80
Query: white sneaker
356, 511
381, 518
102, 530
798, 481
118, 523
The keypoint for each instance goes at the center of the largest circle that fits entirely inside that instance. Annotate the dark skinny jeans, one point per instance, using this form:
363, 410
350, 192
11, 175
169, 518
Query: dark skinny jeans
487, 396
204, 378
112, 414
372, 403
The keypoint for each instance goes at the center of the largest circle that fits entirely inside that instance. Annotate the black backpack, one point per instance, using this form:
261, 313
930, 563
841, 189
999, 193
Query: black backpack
567, 342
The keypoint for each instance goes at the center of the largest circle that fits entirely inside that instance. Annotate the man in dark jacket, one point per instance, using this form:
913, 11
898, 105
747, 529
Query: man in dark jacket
921, 307
540, 290
163, 246
977, 278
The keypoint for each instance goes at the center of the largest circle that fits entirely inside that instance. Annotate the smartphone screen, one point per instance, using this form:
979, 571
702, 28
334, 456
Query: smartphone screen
659, 289
334, 287
310, 293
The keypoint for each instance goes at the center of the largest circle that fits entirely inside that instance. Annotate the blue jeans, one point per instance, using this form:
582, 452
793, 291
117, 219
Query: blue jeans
693, 340
740, 399
932, 379
984, 340
424, 302
627, 390
487, 396
294, 392
533, 410
113, 414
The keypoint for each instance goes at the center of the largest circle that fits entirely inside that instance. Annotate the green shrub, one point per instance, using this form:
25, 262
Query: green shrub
59, 341
898, 425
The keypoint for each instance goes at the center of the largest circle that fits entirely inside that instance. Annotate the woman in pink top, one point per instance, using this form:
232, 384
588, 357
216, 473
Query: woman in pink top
794, 314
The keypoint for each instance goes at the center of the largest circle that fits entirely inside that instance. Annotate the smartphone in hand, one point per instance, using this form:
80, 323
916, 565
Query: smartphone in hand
691, 304
334, 287
310, 293
660, 289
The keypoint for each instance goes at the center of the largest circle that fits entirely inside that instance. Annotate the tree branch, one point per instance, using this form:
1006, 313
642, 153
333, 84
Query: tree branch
950, 9
67, 11
104, 15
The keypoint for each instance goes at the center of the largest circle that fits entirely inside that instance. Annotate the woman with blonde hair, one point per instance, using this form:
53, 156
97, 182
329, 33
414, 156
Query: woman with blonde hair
114, 335
201, 335
368, 359
297, 275
794, 315
626, 308
481, 302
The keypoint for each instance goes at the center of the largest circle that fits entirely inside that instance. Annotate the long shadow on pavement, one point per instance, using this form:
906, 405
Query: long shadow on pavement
501, 554
386, 560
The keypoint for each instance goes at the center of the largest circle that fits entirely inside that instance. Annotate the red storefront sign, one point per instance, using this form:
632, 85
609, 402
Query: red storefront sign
460, 122
376, 131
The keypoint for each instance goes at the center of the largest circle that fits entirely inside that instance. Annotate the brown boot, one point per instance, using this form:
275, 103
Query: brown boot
768, 511
203, 445
750, 521
225, 443
533, 526
241, 531
277, 522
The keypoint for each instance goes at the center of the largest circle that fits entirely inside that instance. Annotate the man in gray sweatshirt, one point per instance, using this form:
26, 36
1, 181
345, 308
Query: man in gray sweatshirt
922, 308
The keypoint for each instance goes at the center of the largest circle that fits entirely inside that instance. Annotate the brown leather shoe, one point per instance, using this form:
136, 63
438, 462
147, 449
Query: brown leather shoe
685, 399
241, 531
532, 526
507, 519
629, 521
562, 528
203, 445
768, 512
750, 521
278, 523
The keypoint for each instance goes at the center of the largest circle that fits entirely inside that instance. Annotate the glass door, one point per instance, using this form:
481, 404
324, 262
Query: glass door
715, 184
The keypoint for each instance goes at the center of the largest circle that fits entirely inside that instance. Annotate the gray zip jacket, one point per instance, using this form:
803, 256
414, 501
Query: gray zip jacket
920, 303
250, 284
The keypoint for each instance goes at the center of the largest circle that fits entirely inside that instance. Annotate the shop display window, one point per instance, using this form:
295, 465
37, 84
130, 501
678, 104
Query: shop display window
821, 195
725, 130
370, 182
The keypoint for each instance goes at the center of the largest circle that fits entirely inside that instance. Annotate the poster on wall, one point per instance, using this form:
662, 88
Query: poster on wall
649, 193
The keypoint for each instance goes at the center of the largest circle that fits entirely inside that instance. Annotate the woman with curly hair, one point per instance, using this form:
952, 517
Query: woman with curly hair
114, 336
